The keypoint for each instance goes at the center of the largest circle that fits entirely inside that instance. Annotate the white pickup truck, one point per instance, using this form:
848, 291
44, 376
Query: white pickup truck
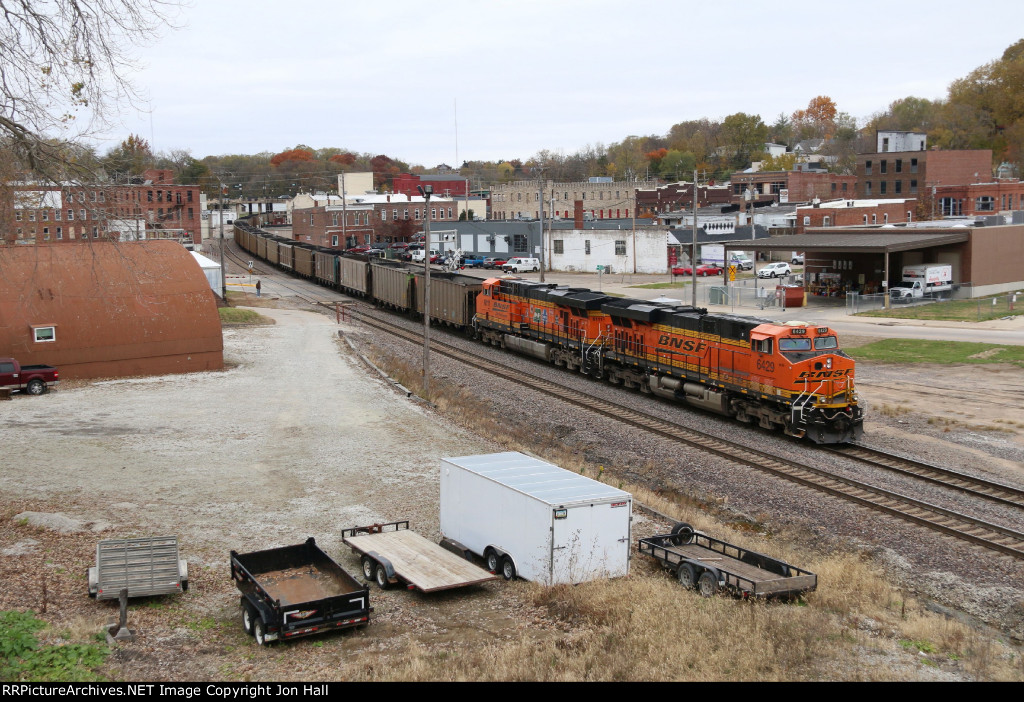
923, 281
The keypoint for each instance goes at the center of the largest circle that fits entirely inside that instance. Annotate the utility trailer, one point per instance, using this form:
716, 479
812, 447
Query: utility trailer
295, 591
393, 554
710, 564
145, 566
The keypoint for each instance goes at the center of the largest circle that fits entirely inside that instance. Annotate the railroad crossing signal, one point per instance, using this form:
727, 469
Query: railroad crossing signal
250, 266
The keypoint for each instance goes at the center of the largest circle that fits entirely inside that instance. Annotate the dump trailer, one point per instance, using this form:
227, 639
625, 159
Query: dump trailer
294, 591
709, 565
528, 518
394, 554
145, 566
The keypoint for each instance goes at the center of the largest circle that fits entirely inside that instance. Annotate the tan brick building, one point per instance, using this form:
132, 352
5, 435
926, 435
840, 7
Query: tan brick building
601, 200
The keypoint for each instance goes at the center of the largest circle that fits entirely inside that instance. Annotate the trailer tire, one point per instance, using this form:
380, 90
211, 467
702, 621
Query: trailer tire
35, 387
259, 631
382, 577
248, 618
368, 567
493, 561
687, 577
682, 534
508, 568
708, 584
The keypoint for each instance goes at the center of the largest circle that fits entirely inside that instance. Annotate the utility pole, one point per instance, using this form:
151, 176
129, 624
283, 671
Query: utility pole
223, 271
344, 213
426, 191
693, 256
540, 213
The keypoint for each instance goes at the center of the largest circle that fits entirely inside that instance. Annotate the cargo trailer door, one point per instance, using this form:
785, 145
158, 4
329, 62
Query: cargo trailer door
590, 541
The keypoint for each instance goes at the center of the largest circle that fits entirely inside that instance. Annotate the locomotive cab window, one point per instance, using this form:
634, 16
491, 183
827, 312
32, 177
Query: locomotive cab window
761, 345
825, 342
786, 344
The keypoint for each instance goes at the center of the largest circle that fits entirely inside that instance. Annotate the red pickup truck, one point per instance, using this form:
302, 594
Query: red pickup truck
35, 380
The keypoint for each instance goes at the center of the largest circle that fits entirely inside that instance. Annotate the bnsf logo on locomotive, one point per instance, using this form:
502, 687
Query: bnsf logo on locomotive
682, 344
826, 374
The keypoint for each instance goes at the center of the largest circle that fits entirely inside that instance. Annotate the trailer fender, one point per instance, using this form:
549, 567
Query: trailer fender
389, 569
262, 610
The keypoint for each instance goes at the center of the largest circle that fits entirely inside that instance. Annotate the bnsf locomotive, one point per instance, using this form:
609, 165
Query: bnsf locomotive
790, 376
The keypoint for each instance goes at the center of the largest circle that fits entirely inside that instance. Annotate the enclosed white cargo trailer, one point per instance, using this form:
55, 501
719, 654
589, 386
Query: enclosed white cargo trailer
531, 519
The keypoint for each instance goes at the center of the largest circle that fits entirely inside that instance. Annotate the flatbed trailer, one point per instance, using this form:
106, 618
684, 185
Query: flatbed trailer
393, 554
295, 591
710, 564
145, 566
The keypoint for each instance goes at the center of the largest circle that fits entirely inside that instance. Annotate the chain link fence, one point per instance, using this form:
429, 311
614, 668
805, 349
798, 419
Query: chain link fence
975, 310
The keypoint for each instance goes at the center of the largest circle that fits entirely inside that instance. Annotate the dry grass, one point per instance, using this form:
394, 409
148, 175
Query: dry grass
645, 627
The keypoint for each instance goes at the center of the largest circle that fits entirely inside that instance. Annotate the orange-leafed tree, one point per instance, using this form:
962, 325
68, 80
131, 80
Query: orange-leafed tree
296, 154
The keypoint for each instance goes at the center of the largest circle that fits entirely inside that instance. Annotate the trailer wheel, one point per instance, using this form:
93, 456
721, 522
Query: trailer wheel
382, 577
686, 575
707, 584
248, 617
368, 567
493, 562
35, 387
259, 630
508, 568
682, 533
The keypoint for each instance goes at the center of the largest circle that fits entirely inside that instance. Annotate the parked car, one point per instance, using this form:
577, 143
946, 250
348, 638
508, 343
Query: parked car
704, 269
31, 380
798, 259
493, 262
775, 270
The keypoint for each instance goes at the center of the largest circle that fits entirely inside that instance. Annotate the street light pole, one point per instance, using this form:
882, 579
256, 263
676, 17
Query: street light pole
426, 191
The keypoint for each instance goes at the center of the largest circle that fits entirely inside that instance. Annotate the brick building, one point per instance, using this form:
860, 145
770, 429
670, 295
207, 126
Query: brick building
155, 208
848, 213
679, 196
1001, 195
792, 186
602, 199
451, 185
371, 219
896, 174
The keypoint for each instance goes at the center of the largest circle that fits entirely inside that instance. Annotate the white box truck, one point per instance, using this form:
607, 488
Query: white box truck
923, 281
528, 518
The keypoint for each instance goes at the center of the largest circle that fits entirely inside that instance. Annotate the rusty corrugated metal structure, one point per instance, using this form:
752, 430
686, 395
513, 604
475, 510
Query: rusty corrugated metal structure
118, 309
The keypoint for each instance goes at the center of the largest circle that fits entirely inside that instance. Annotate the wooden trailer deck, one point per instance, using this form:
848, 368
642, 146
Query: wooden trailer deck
418, 561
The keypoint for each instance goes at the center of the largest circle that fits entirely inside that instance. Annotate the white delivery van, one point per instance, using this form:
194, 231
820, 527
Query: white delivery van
528, 518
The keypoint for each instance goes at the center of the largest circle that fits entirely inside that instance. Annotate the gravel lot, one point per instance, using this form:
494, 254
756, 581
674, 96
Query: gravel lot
299, 438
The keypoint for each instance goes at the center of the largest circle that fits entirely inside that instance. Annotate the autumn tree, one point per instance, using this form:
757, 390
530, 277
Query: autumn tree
129, 158
817, 121
291, 156
64, 68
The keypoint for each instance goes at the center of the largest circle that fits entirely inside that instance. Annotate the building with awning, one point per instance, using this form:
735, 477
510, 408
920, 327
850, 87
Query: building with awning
987, 255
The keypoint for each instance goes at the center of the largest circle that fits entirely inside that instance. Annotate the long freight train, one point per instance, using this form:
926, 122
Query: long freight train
790, 376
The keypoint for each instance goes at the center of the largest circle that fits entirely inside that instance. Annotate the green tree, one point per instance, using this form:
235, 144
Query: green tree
745, 136
130, 158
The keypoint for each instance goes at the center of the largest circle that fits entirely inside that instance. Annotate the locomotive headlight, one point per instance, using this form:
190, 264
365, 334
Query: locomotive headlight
828, 362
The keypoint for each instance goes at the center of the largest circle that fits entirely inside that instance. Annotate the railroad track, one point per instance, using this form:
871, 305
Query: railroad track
965, 527
970, 484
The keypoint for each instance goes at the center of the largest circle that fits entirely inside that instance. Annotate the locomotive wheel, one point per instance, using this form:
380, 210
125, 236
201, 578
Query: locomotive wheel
686, 576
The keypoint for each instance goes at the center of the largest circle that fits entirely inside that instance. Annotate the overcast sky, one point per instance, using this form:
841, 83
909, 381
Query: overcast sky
519, 76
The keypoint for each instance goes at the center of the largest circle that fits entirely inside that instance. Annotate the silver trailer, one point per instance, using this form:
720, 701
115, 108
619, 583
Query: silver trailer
146, 566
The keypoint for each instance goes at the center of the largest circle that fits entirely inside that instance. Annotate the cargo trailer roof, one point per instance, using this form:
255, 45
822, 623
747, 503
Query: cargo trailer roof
539, 479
